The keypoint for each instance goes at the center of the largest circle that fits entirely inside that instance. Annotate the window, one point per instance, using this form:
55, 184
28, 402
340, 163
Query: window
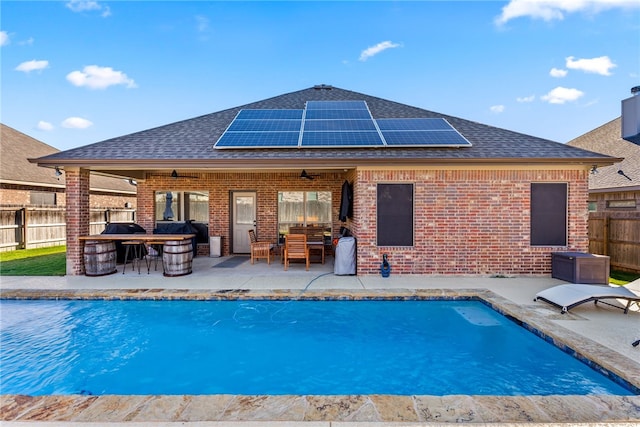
395, 214
42, 198
304, 208
549, 214
182, 206
621, 204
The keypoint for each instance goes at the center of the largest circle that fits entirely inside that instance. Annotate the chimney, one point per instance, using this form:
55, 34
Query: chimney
631, 116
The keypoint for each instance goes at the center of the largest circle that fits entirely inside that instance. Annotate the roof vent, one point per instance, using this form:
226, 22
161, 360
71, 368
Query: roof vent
631, 115
323, 87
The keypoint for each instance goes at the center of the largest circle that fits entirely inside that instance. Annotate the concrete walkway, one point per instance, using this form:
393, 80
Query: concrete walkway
604, 332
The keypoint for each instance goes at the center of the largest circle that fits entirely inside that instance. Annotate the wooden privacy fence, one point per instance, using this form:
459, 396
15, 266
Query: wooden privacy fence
616, 234
39, 227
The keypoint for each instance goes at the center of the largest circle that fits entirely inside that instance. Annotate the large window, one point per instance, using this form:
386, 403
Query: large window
182, 206
548, 214
395, 214
304, 208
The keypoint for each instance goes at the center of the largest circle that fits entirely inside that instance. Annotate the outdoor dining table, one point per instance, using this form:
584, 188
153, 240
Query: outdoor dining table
100, 252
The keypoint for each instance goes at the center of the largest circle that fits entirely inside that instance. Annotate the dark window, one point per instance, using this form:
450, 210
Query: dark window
395, 214
549, 214
42, 198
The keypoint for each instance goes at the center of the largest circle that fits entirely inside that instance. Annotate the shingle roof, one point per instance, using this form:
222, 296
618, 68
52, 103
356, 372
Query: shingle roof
607, 139
191, 141
16, 148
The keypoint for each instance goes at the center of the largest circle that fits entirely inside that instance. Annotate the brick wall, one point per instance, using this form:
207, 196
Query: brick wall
473, 222
467, 222
21, 195
78, 214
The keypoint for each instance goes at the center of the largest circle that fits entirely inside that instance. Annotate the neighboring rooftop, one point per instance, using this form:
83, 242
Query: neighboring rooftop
189, 143
607, 139
15, 150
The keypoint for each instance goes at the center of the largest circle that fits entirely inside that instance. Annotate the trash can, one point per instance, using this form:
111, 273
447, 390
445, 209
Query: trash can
345, 257
215, 246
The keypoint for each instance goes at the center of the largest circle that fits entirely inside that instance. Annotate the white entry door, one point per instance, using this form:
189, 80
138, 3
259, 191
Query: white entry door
244, 219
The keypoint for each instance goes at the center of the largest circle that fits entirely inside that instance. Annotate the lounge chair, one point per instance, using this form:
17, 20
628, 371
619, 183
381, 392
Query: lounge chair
295, 247
260, 249
568, 296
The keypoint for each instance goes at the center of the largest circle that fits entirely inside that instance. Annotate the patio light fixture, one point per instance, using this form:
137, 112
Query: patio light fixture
174, 174
58, 171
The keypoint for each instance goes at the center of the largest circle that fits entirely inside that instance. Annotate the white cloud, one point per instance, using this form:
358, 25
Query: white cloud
549, 10
374, 50
32, 65
4, 38
88, 6
497, 109
561, 95
76, 123
27, 42
530, 98
42, 125
202, 23
557, 72
601, 65
95, 77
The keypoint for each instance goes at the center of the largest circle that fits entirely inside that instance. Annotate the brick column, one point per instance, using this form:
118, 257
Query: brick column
77, 194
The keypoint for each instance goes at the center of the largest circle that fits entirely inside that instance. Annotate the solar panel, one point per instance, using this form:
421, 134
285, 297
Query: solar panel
413, 124
426, 138
269, 114
337, 114
336, 105
338, 125
265, 126
341, 139
335, 124
258, 140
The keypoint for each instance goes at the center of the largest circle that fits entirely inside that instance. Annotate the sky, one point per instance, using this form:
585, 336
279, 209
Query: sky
76, 72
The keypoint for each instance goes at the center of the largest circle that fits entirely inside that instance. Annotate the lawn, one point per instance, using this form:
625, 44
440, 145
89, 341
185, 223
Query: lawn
34, 262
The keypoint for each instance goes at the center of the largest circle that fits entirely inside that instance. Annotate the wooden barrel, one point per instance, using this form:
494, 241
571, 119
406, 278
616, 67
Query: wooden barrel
177, 256
99, 257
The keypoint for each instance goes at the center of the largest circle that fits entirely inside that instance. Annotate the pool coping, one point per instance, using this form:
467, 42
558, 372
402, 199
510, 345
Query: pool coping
349, 408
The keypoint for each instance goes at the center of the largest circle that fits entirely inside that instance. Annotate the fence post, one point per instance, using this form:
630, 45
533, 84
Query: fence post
22, 227
605, 234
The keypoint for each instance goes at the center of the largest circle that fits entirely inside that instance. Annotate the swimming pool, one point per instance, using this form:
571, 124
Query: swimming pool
280, 347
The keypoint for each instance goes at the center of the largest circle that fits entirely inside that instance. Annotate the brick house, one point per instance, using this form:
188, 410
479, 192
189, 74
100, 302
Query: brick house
499, 202
23, 183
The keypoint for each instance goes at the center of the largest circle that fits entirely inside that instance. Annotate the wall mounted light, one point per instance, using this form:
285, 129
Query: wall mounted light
620, 172
594, 169
58, 171
174, 174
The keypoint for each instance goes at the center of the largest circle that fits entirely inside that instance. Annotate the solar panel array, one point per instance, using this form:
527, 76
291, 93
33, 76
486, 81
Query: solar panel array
335, 124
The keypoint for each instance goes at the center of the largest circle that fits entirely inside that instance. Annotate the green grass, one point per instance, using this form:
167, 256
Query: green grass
34, 262
622, 277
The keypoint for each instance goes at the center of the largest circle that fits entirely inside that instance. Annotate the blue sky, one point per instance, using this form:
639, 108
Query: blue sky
78, 72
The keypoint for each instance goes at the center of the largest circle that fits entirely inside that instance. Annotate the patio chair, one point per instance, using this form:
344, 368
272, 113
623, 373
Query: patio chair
315, 240
259, 249
295, 247
568, 296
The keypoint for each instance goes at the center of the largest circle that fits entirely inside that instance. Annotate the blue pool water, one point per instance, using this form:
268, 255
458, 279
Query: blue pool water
280, 347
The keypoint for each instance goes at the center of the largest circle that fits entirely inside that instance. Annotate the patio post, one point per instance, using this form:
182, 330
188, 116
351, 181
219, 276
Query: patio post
77, 205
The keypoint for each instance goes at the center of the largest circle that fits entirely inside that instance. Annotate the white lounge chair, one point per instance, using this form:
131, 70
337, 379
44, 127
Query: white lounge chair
568, 296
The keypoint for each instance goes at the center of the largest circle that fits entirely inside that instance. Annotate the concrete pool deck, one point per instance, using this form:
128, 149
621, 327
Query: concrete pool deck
598, 333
